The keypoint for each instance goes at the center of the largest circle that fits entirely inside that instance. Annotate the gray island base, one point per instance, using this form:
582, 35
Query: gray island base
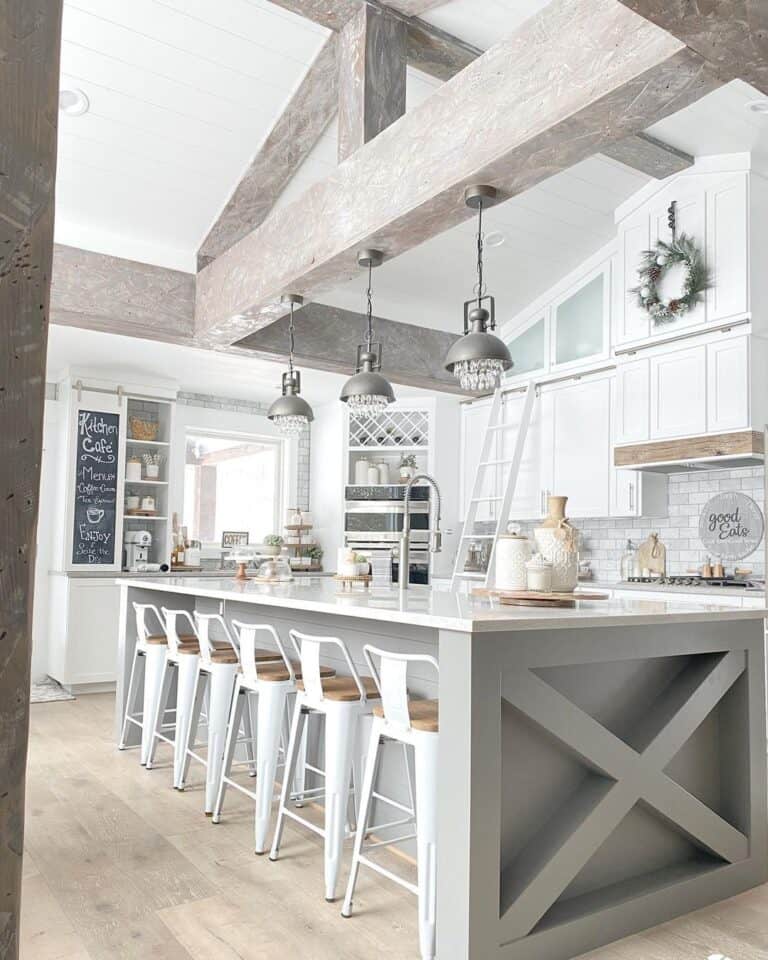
603, 768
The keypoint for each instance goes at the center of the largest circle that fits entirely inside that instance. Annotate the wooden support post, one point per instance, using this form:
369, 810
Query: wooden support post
372, 61
30, 37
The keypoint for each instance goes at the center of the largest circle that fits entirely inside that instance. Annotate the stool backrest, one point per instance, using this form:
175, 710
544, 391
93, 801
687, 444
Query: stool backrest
207, 646
308, 649
391, 679
246, 635
142, 626
172, 629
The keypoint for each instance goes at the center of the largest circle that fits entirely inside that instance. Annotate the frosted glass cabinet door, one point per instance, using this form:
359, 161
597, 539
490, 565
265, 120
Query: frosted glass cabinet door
528, 349
579, 322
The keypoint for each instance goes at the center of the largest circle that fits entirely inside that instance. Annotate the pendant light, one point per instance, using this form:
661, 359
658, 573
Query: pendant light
367, 393
290, 413
479, 358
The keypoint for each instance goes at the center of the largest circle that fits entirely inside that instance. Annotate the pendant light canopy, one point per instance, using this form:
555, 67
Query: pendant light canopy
290, 413
479, 358
367, 393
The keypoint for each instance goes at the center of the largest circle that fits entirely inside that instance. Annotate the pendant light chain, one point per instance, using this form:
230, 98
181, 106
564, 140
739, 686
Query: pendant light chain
291, 341
480, 285
369, 295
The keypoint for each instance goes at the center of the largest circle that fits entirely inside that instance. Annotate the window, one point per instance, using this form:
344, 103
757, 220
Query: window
231, 482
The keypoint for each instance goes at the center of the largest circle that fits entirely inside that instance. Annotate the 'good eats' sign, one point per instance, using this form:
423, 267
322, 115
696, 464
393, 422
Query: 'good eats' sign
731, 526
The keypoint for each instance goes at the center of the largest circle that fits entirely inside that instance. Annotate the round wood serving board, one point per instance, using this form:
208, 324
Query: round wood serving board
505, 595
533, 602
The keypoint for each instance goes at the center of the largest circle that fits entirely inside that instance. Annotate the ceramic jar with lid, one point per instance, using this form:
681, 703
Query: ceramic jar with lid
513, 550
539, 574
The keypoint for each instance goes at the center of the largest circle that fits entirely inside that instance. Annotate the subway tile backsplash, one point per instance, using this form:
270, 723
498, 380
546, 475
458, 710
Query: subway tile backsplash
603, 541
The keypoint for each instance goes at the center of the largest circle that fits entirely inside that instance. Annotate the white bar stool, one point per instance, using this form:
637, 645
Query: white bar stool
217, 667
182, 654
273, 683
413, 722
147, 666
342, 701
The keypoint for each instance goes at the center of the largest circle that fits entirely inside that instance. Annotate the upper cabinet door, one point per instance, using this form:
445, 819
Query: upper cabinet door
633, 400
690, 217
728, 384
679, 393
727, 247
474, 420
582, 447
529, 347
631, 322
580, 321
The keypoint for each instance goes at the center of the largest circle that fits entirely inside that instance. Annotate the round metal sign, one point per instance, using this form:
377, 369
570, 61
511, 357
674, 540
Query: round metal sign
731, 526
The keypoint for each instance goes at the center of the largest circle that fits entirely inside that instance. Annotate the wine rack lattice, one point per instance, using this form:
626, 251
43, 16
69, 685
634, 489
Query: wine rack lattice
406, 428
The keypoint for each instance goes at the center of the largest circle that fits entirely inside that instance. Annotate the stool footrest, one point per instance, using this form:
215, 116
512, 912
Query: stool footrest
388, 873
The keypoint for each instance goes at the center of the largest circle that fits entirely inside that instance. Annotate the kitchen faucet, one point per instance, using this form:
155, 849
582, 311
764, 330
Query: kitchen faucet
436, 537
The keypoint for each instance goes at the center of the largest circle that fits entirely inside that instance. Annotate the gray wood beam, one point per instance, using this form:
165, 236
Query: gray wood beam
543, 99
430, 49
326, 338
286, 147
649, 156
372, 53
415, 8
30, 38
98, 292
732, 35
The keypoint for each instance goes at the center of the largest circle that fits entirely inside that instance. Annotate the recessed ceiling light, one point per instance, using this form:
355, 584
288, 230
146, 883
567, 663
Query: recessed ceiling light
758, 106
73, 102
495, 238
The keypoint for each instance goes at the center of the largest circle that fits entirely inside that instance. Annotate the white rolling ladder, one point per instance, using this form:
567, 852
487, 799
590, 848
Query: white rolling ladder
494, 429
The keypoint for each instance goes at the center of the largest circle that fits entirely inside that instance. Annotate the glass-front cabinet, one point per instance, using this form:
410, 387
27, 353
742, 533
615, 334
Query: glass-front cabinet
570, 331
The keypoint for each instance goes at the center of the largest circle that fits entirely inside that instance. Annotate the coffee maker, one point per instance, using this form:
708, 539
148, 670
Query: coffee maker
137, 544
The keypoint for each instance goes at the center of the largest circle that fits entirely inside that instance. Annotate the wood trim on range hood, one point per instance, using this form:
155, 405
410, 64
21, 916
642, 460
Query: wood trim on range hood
742, 448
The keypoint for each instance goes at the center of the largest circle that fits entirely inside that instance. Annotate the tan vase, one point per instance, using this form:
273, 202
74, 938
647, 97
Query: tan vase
557, 541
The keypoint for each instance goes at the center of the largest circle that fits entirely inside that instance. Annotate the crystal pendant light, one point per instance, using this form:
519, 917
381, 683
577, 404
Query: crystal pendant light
479, 358
290, 413
367, 393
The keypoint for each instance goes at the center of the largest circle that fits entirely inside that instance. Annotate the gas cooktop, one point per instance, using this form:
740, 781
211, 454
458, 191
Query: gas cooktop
693, 580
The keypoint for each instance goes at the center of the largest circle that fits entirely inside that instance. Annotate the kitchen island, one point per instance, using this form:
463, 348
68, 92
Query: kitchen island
603, 766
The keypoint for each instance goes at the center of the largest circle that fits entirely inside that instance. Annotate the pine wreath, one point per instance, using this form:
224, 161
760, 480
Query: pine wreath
655, 263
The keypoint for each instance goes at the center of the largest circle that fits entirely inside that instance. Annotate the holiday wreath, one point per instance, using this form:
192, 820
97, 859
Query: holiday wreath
655, 263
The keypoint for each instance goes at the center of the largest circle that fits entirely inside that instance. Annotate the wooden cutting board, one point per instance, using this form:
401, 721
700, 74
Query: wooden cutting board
530, 602
505, 595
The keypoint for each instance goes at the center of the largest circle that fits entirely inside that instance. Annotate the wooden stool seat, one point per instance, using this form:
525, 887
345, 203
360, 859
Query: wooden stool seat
424, 714
277, 672
345, 689
159, 639
189, 647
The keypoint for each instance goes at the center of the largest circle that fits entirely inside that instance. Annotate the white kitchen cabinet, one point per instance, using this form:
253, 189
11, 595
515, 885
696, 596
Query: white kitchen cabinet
727, 246
84, 623
529, 347
528, 498
632, 413
580, 320
581, 446
639, 494
631, 322
678, 392
728, 384
474, 419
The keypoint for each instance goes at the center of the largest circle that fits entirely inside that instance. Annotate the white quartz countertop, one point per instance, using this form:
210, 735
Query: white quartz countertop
443, 609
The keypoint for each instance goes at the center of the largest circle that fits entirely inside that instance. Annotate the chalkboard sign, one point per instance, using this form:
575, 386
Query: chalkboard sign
96, 465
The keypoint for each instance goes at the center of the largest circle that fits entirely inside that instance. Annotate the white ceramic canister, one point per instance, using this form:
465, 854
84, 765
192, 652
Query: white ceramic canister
513, 550
383, 472
539, 574
133, 470
373, 473
361, 470
563, 556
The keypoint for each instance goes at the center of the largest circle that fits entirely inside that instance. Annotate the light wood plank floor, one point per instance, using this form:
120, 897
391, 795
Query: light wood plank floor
119, 866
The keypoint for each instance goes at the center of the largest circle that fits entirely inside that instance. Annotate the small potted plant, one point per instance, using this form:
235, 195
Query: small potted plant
152, 463
272, 545
407, 467
315, 554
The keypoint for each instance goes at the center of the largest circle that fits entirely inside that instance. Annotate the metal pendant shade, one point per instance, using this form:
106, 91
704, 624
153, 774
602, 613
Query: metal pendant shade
367, 392
291, 413
479, 358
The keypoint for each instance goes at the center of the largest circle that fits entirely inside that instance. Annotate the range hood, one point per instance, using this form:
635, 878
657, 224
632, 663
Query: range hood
743, 448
